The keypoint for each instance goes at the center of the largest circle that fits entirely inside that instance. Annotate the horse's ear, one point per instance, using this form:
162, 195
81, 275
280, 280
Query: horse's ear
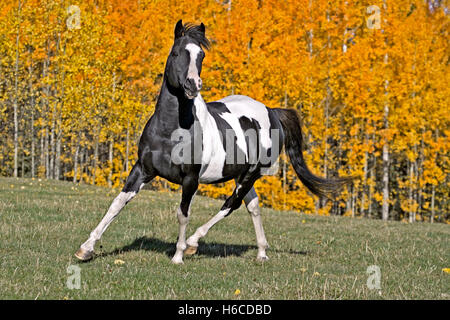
202, 28
179, 29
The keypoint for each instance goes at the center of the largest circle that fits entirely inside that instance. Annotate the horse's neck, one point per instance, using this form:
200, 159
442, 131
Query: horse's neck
168, 102
166, 115
171, 106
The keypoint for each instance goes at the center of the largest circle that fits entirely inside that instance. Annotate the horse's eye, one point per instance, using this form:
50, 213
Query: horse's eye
175, 54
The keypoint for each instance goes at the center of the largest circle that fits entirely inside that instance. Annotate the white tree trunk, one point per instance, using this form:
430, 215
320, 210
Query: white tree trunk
433, 193
385, 205
412, 217
32, 106
111, 153
127, 147
16, 94
75, 162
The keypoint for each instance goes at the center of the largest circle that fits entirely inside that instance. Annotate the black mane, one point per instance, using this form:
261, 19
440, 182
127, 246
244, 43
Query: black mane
195, 32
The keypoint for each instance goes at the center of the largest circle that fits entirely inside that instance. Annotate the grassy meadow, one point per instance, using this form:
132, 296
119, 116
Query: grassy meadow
42, 224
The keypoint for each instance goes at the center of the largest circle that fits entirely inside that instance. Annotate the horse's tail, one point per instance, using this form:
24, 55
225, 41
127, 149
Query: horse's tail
293, 141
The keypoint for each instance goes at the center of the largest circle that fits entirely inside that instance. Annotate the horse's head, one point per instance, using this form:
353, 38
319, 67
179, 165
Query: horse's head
184, 63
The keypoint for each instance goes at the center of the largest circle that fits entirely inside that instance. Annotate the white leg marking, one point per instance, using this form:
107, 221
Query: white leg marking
252, 204
119, 202
181, 243
203, 230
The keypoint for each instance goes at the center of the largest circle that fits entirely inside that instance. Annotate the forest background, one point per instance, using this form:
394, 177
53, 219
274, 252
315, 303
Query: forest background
79, 80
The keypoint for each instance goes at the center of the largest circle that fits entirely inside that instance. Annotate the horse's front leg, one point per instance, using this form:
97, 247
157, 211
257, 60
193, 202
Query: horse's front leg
135, 181
190, 185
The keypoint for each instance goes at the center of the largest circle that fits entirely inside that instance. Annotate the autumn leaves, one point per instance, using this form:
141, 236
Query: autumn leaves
74, 82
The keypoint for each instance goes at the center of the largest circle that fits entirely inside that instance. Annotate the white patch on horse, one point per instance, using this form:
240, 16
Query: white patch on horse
243, 106
234, 123
194, 50
213, 155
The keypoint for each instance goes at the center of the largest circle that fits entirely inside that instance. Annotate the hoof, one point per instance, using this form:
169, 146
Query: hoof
175, 261
262, 258
84, 255
190, 250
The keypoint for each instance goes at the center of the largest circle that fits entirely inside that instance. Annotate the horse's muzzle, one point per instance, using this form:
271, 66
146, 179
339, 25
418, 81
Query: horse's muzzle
190, 95
192, 87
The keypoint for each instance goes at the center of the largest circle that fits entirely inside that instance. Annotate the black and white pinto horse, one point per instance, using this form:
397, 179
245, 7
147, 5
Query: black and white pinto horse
188, 141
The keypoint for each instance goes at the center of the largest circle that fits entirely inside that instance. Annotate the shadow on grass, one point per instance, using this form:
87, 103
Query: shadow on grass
168, 248
204, 249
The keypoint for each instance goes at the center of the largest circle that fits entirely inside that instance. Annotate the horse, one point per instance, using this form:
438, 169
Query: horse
188, 142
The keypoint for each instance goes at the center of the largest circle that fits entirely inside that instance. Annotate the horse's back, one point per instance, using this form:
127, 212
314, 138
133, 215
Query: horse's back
257, 115
237, 98
244, 106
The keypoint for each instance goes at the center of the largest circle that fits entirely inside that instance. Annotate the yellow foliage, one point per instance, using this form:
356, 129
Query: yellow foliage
356, 88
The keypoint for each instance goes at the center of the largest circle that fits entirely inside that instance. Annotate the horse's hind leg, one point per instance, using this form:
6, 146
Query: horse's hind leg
252, 204
134, 183
232, 203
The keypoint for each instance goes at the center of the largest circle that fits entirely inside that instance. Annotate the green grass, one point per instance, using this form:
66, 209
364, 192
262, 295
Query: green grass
42, 224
